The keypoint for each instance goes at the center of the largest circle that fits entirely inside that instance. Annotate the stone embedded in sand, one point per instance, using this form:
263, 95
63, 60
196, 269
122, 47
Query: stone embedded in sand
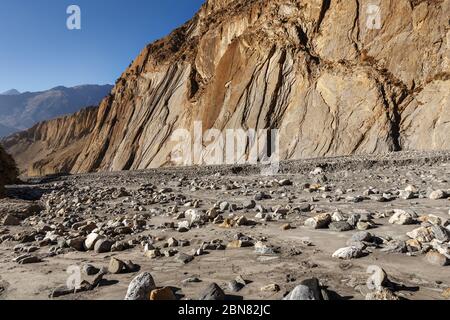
437, 259
184, 258
437, 195
194, 216
77, 243
89, 270
338, 217
227, 223
27, 259
115, 266
378, 278
103, 246
421, 234
413, 245
395, 246
301, 293
212, 292
318, 222
172, 242
271, 288
340, 226
235, 286
446, 293
403, 217
10, 220
348, 253
164, 294
8, 171
250, 204
91, 239
440, 233
140, 287
382, 294
407, 195
235, 244
412, 188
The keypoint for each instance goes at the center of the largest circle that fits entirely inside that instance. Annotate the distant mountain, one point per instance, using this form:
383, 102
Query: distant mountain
12, 92
19, 111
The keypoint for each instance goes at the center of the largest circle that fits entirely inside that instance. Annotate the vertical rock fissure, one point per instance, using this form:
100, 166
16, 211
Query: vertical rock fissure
323, 11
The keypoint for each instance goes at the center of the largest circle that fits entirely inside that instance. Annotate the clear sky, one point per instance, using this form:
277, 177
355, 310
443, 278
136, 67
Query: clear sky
38, 52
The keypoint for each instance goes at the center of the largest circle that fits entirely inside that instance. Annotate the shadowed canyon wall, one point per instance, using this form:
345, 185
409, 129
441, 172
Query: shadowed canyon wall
313, 69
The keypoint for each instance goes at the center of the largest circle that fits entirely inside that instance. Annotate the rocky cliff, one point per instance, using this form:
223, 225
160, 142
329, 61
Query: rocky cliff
335, 77
8, 171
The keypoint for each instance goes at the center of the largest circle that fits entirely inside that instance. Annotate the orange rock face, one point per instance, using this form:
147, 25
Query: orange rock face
8, 171
324, 73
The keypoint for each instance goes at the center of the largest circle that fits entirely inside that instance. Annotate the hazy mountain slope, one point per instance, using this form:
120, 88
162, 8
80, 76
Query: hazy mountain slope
312, 69
21, 111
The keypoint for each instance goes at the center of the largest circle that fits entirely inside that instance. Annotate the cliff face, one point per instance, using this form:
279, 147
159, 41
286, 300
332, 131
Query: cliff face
317, 70
8, 171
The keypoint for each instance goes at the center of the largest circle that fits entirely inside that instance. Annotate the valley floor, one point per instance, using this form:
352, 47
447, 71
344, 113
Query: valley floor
140, 212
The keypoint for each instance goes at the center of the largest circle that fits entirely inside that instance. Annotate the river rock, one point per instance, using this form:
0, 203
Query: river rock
140, 287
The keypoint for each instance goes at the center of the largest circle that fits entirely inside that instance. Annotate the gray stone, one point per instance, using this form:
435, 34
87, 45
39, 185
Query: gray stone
437, 195
140, 287
11, 220
90, 270
347, 253
362, 236
340, 226
212, 292
184, 258
235, 286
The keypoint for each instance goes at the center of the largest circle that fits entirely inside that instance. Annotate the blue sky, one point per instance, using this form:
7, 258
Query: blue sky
38, 52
